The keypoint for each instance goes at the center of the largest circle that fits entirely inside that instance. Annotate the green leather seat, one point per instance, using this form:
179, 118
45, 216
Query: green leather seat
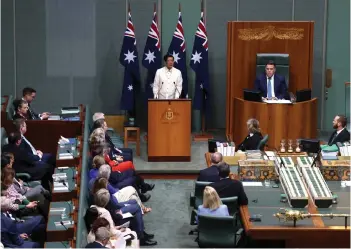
232, 204
263, 143
3, 137
10, 109
218, 231
281, 61
196, 198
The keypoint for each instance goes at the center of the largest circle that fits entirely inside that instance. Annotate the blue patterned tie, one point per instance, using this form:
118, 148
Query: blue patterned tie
269, 89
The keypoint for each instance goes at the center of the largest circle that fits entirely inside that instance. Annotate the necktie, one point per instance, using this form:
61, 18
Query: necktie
269, 89
30, 145
331, 142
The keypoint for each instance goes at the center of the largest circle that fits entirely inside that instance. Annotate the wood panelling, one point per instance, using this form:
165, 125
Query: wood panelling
266, 37
279, 121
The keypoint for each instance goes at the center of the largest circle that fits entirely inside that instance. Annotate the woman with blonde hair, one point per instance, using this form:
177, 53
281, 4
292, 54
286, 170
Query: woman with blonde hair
254, 137
212, 204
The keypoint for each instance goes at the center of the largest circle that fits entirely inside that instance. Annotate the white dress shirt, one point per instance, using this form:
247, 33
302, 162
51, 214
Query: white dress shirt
30, 145
272, 84
168, 83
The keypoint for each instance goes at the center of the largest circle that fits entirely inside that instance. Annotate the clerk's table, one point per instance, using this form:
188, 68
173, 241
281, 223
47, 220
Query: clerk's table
279, 121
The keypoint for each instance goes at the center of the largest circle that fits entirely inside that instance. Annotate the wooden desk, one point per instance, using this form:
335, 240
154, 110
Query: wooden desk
279, 121
313, 232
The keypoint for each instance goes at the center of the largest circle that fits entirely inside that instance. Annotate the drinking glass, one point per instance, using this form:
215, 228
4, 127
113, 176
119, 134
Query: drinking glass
267, 183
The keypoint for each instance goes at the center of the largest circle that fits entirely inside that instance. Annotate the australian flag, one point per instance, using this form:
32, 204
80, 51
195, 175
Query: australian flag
152, 56
178, 50
129, 59
199, 63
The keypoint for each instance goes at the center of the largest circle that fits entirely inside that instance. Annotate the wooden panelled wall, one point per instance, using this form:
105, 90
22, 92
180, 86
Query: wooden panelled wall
246, 39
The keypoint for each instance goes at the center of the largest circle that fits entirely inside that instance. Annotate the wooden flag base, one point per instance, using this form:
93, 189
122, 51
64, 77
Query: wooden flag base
202, 137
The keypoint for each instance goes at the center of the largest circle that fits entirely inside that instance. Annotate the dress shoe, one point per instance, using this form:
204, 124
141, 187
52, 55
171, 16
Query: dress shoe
145, 197
147, 242
147, 187
148, 235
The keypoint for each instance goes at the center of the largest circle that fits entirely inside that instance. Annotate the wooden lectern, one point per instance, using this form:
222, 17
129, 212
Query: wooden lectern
169, 130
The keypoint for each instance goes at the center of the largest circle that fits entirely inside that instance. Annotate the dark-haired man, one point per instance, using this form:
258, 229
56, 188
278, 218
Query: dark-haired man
29, 94
168, 81
271, 85
341, 134
227, 187
25, 163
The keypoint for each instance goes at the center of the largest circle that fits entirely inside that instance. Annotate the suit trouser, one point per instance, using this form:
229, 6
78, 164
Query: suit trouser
137, 223
35, 226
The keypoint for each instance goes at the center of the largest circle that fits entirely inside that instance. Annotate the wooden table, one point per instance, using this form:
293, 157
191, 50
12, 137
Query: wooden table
128, 138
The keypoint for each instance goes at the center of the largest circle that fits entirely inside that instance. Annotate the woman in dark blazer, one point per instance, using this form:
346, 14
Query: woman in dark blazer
254, 137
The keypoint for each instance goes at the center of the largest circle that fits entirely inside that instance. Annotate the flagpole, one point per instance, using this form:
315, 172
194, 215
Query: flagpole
203, 136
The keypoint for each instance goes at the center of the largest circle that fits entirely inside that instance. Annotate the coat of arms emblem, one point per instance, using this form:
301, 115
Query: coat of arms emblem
169, 114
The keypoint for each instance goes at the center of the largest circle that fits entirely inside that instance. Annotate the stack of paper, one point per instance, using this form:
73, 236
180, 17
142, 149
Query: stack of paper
278, 101
253, 155
226, 149
345, 150
65, 156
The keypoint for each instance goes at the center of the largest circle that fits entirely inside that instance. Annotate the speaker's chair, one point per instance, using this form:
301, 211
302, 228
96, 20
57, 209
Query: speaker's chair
281, 61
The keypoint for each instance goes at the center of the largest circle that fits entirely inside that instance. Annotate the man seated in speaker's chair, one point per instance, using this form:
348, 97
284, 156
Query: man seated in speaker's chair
271, 85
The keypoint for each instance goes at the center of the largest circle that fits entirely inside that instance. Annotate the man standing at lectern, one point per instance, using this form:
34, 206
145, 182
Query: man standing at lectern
271, 85
168, 80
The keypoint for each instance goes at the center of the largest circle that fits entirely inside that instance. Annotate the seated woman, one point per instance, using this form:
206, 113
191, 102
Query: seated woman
125, 153
212, 204
252, 140
101, 199
34, 193
21, 109
119, 195
26, 207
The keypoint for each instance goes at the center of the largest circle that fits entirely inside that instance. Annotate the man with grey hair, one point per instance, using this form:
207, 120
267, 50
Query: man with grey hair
102, 236
210, 174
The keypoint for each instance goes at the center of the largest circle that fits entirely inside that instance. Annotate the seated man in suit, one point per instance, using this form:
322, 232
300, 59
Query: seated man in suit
37, 155
126, 153
211, 174
271, 85
341, 134
102, 237
25, 163
29, 94
14, 233
227, 187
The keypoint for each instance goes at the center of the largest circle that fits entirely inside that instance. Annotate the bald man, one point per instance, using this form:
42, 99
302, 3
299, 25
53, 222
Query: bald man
211, 174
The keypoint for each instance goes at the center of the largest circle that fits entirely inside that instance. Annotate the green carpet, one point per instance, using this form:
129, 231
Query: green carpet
170, 216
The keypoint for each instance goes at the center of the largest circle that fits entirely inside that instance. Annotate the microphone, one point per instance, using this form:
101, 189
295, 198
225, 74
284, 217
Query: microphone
176, 88
69, 152
61, 222
281, 160
159, 90
315, 159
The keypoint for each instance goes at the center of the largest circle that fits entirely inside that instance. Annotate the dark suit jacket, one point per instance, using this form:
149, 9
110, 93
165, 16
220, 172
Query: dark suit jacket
24, 163
17, 116
209, 174
343, 136
230, 188
32, 115
280, 89
95, 245
250, 142
9, 234
25, 146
